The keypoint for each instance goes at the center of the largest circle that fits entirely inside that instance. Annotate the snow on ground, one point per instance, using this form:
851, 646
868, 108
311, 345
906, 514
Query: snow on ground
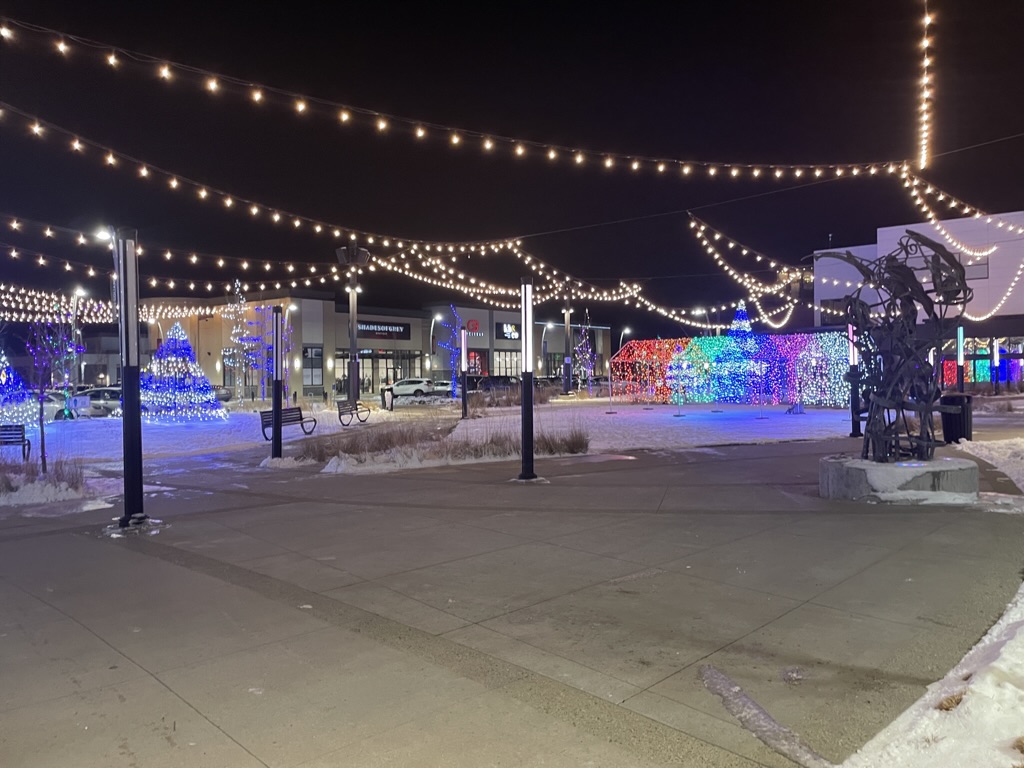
1007, 455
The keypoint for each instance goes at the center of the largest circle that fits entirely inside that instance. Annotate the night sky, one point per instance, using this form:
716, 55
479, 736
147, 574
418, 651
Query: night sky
769, 83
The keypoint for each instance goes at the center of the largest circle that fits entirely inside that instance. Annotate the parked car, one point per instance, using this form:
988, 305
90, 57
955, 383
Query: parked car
415, 387
102, 401
499, 384
472, 384
222, 393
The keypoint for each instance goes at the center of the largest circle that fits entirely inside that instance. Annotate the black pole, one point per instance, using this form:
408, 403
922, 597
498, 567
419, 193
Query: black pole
527, 473
855, 401
126, 271
464, 365
278, 391
567, 358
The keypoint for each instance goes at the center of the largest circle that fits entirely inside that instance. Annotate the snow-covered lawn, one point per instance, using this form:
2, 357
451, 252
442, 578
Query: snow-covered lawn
630, 427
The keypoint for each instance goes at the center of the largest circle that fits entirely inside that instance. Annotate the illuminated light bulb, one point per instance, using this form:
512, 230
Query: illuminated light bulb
817, 172
228, 202
143, 171
337, 233
257, 95
167, 255
37, 129
62, 47
382, 124
48, 232
212, 85
193, 258
174, 183
112, 60
552, 154
712, 171
276, 217
661, 167
6, 33
420, 132
344, 116
488, 144
318, 229
203, 194
736, 172
110, 159
81, 240
456, 139
608, 162
209, 286
300, 106
635, 165
165, 72
254, 210
296, 223
579, 158
220, 262
778, 173
76, 145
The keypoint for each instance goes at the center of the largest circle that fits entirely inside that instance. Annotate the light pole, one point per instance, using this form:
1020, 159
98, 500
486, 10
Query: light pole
278, 390
464, 366
126, 274
543, 349
625, 332
430, 340
74, 377
356, 258
526, 399
567, 358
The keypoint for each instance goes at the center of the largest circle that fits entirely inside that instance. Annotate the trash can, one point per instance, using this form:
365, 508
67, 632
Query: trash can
956, 426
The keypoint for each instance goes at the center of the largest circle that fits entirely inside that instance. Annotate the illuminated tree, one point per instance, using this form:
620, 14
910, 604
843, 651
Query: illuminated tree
53, 349
175, 387
17, 405
452, 344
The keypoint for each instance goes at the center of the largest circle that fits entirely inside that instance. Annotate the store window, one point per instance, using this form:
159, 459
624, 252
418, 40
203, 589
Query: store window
312, 366
507, 363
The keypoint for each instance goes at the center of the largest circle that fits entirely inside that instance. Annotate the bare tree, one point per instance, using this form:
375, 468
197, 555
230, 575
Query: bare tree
52, 347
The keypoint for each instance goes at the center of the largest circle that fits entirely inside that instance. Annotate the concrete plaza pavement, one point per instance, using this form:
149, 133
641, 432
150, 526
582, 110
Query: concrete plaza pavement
449, 617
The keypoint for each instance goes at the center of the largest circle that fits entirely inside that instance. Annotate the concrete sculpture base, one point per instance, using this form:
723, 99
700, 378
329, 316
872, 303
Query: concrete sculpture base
844, 477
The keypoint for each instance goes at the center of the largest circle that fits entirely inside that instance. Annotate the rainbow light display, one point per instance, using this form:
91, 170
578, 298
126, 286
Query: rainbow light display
17, 404
175, 388
741, 367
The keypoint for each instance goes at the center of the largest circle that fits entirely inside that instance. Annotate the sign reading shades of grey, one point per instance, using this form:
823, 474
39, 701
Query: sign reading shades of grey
372, 330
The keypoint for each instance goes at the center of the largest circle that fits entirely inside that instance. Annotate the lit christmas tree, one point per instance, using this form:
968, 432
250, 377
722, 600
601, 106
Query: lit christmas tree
17, 404
175, 387
452, 345
733, 365
583, 352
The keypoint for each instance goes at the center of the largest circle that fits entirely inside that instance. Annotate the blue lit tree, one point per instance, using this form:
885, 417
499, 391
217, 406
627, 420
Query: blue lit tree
733, 369
175, 387
17, 404
452, 345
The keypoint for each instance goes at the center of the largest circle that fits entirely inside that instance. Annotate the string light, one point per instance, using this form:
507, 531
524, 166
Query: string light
926, 92
215, 82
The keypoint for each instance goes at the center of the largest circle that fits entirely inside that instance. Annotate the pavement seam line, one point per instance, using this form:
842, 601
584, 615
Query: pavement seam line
662, 743
153, 676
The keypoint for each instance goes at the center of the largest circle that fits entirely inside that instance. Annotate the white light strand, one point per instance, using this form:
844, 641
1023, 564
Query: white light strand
927, 92
999, 304
303, 105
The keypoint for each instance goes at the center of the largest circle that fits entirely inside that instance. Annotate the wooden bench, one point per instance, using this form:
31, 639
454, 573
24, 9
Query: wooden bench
288, 416
14, 434
347, 409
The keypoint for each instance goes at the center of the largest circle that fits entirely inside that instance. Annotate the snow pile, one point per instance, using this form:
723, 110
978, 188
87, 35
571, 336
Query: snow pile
978, 731
38, 491
1007, 455
288, 462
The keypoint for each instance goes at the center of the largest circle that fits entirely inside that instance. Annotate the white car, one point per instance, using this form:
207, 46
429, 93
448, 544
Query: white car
415, 387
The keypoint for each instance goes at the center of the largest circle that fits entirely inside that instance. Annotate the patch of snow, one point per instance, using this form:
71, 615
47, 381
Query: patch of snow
927, 497
1007, 455
39, 492
979, 731
287, 462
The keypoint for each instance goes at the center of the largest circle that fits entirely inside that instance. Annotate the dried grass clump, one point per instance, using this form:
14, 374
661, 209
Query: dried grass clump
14, 475
951, 702
576, 440
1018, 744
376, 439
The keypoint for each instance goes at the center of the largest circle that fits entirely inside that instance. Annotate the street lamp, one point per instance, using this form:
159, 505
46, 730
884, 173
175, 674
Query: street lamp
544, 350
355, 258
430, 338
625, 332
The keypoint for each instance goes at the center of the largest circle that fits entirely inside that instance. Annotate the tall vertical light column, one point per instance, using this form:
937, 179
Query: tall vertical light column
278, 390
567, 359
854, 377
960, 358
127, 275
526, 400
464, 368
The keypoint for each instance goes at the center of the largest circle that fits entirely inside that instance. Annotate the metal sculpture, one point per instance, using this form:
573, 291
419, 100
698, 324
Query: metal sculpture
898, 319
